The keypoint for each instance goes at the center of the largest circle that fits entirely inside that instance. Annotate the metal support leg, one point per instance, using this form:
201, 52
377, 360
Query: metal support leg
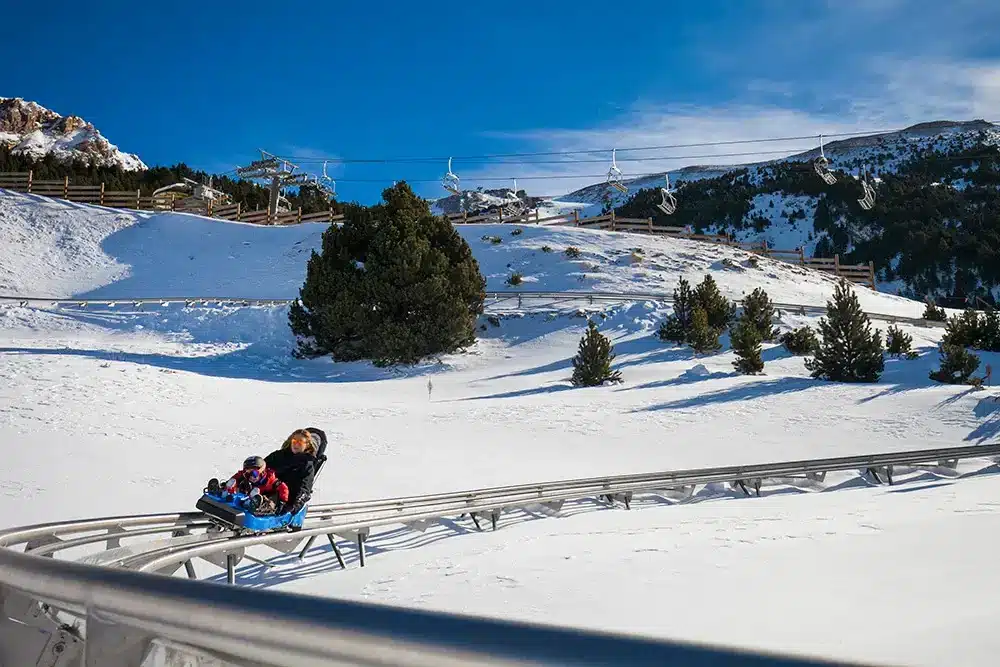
756, 486
875, 475
494, 517
309, 543
888, 474
189, 566
627, 497
743, 486
231, 568
336, 552
475, 520
258, 561
361, 549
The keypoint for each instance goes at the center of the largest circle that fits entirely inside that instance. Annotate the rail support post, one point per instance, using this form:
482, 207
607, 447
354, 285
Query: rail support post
874, 473
189, 568
307, 547
362, 536
336, 552
475, 520
231, 568
740, 483
888, 474
494, 517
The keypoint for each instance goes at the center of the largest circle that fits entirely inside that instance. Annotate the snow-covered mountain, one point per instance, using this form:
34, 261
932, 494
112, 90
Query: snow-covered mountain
30, 129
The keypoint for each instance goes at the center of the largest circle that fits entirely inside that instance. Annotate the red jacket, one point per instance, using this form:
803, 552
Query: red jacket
268, 483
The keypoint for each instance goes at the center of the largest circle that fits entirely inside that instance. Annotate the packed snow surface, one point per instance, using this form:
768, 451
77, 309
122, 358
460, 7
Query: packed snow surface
117, 410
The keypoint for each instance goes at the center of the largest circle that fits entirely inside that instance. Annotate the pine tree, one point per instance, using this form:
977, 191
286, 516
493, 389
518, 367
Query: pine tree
592, 363
677, 327
745, 339
933, 313
897, 342
849, 351
957, 366
719, 310
703, 337
392, 284
801, 341
759, 310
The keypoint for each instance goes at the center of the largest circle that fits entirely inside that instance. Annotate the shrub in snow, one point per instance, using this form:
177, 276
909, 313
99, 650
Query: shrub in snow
849, 351
514, 279
933, 313
745, 338
517, 232
592, 363
546, 248
970, 329
572, 252
495, 240
897, 342
392, 284
703, 337
957, 366
800, 341
759, 311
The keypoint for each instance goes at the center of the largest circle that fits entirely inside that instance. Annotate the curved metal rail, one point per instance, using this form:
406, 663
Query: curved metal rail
42, 600
523, 299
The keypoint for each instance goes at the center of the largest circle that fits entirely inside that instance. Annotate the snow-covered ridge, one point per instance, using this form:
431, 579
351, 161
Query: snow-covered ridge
27, 128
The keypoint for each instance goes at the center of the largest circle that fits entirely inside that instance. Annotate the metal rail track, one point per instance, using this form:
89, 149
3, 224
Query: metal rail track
497, 299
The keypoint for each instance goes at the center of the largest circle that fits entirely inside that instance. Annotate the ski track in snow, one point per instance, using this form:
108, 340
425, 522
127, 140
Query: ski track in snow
110, 411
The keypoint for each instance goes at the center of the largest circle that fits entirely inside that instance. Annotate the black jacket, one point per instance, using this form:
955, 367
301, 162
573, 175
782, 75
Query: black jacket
295, 470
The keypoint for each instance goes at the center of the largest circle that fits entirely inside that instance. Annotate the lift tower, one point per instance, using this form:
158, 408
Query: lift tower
277, 173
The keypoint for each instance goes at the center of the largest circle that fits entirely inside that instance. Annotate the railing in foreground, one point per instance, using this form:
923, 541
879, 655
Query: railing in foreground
135, 619
139, 618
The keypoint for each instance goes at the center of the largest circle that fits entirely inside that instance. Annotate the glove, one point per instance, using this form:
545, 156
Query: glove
279, 507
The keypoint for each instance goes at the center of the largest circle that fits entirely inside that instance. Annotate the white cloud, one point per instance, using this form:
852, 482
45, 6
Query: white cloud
893, 93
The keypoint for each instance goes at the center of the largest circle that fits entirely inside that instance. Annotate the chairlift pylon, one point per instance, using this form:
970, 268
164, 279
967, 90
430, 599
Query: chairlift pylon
450, 181
868, 200
669, 203
615, 175
822, 165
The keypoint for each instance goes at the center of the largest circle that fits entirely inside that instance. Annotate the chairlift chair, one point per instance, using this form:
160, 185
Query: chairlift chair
868, 200
450, 181
822, 165
669, 203
615, 175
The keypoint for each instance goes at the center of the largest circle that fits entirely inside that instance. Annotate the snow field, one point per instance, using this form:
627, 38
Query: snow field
123, 411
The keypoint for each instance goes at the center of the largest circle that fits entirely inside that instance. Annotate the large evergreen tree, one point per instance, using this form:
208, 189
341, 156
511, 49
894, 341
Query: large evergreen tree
393, 284
592, 363
849, 351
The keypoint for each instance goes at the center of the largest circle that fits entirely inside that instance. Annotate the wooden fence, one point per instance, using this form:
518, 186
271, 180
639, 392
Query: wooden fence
863, 274
166, 201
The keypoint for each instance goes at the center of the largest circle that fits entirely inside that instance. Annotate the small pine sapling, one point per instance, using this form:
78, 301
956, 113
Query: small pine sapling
592, 363
759, 310
745, 338
934, 313
676, 327
957, 366
850, 351
800, 341
703, 337
897, 342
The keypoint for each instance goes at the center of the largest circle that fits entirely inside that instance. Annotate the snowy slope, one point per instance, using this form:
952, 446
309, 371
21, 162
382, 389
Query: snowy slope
120, 411
112, 254
29, 129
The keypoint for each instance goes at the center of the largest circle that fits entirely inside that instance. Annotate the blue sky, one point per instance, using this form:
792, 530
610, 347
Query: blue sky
209, 84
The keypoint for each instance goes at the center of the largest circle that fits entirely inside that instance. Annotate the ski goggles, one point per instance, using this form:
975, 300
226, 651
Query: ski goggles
254, 474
